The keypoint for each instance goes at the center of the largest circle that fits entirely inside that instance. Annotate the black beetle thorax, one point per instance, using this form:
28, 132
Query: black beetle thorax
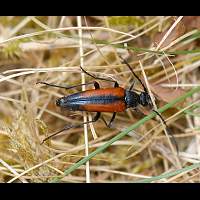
132, 99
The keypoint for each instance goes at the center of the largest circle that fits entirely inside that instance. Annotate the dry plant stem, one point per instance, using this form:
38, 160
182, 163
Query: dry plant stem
124, 133
18, 27
92, 127
174, 42
168, 32
65, 29
179, 39
34, 46
186, 69
180, 85
140, 30
155, 108
89, 115
97, 48
79, 22
176, 75
12, 170
164, 68
36, 166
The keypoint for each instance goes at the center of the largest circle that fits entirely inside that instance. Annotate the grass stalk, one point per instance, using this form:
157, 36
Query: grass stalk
170, 174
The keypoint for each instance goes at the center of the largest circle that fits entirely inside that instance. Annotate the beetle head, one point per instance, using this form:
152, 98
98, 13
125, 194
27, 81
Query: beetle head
145, 99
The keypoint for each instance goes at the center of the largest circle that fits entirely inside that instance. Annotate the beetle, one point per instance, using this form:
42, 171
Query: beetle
114, 100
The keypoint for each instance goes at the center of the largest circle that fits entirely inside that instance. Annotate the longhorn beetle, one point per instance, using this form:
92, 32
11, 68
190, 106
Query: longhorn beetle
116, 99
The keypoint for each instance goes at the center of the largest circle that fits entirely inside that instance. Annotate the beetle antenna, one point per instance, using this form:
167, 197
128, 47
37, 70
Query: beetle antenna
50, 136
145, 89
168, 130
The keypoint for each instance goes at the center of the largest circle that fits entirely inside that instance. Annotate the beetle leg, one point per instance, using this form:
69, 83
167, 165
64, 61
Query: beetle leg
96, 85
111, 121
116, 84
96, 117
67, 127
93, 76
65, 87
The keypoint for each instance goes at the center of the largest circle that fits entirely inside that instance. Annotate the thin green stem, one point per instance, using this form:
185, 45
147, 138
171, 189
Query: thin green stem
170, 174
125, 132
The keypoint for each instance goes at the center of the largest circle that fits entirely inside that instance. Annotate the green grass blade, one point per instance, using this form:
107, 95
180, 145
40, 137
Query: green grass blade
125, 132
169, 174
